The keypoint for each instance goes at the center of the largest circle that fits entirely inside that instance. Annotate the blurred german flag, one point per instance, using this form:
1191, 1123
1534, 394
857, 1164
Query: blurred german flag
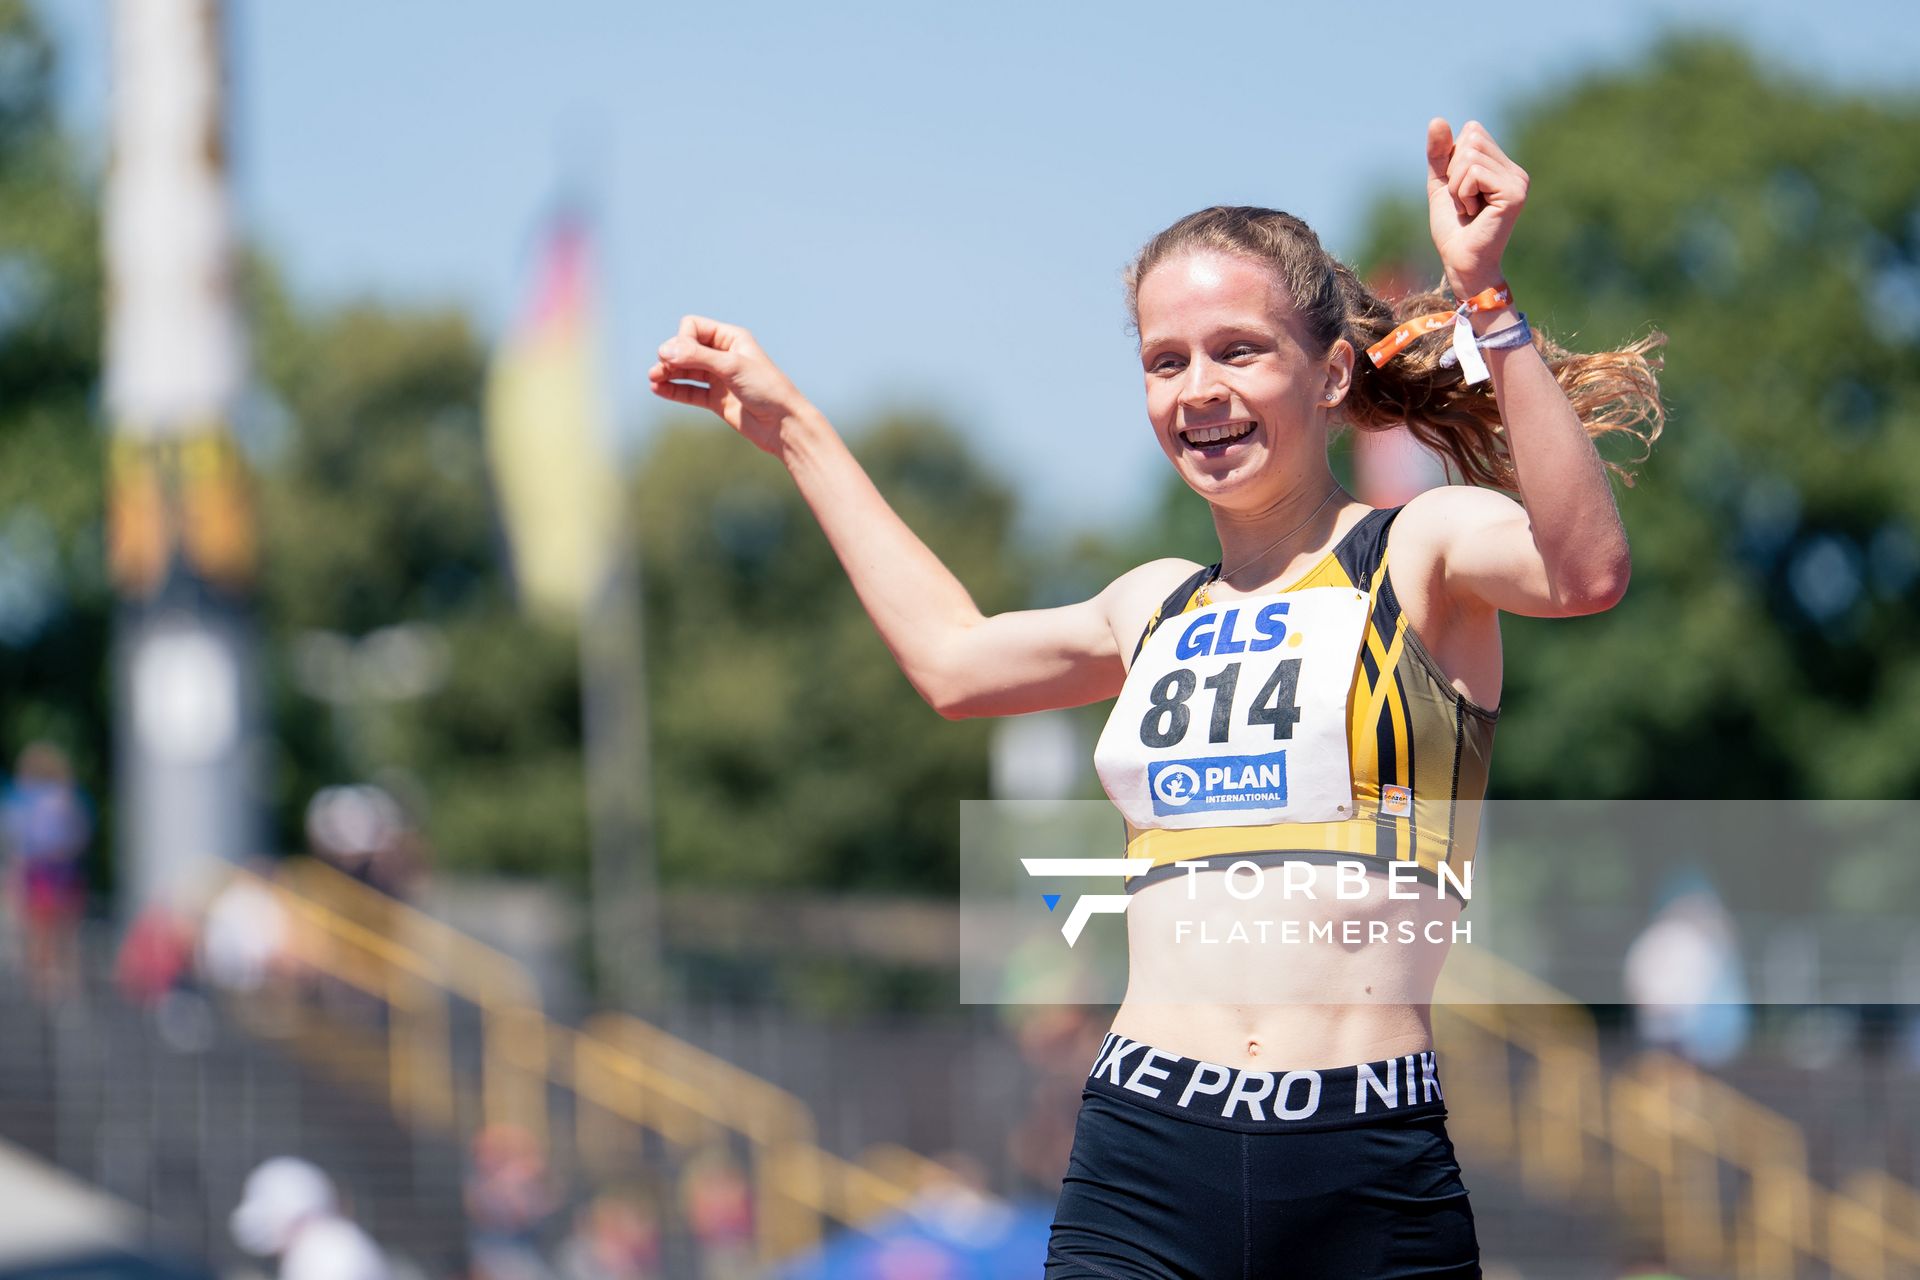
548, 435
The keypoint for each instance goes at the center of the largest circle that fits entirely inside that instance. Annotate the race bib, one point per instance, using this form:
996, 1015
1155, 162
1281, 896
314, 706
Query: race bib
1236, 714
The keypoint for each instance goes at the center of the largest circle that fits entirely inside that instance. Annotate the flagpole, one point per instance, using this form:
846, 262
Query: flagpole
563, 499
623, 906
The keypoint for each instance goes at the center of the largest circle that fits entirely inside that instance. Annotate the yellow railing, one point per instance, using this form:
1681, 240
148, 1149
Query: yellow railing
1720, 1180
615, 1066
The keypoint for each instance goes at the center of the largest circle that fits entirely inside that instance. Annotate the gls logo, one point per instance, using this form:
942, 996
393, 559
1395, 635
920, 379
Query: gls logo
1212, 633
1092, 904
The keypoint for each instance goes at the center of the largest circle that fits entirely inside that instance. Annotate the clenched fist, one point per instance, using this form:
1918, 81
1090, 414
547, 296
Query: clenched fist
719, 367
1474, 195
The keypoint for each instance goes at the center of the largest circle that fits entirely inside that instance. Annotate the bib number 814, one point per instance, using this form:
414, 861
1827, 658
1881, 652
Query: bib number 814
1168, 715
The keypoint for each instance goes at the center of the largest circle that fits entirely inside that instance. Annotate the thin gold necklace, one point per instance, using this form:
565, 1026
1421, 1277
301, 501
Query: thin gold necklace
1204, 596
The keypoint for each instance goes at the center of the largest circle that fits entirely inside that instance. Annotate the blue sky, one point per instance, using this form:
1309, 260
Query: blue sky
908, 203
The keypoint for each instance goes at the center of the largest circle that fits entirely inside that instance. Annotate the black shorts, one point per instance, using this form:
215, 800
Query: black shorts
1183, 1168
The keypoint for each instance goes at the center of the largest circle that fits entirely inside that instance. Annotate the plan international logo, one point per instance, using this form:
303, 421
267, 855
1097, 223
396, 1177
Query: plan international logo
1089, 905
1218, 782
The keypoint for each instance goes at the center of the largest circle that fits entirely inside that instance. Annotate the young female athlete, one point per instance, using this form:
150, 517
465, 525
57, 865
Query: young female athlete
1294, 706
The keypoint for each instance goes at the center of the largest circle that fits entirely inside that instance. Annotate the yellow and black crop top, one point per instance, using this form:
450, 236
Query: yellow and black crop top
1418, 750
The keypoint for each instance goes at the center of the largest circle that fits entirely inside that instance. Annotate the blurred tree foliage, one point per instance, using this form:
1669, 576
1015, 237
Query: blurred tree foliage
376, 512
788, 748
54, 596
1771, 227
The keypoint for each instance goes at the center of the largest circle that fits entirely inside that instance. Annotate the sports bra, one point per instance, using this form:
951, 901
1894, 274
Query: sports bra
1308, 723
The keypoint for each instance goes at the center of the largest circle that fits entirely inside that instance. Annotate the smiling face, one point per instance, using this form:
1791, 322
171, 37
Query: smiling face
1236, 389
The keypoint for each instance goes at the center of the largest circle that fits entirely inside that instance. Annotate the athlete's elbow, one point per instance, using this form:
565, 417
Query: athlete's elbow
956, 697
1599, 588
945, 701
948, 695
959, 706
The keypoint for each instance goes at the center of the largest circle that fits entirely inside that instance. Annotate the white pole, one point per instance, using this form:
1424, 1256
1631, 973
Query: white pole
181, 534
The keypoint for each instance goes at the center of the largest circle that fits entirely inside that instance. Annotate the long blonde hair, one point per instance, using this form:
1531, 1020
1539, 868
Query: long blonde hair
1614, 392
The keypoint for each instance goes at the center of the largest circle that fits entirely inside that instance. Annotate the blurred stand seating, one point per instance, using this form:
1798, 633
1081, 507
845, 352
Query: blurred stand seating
469, 1127
165, 1102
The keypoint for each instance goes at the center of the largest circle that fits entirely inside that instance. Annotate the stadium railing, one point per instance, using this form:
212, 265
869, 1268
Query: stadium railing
1720, 1181
422, 972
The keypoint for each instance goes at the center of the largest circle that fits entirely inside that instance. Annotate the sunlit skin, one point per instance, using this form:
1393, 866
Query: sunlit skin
1221, 344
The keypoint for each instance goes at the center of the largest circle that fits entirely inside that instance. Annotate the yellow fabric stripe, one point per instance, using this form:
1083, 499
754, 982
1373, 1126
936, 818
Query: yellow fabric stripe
1388, 658
1388, 699
1165, 846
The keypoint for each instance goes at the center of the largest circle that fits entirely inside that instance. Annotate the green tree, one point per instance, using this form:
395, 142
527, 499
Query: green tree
376, 512
788, 748
1771, 227
54, 599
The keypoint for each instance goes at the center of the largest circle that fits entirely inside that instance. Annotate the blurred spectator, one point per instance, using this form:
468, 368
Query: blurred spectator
508, 1200
45, 826
615, 1237
289, 1210
243, 939
1684, 976
154, 972
363, 831
1056, 1043
154, 956
719, 1206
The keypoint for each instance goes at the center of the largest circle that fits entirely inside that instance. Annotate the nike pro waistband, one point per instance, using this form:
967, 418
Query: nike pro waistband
1263, 1101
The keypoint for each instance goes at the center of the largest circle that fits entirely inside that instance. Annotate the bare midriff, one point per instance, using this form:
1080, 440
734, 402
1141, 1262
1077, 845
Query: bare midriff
1292, 976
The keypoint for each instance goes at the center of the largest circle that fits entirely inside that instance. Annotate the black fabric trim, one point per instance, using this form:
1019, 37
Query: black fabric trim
1175, 602
1360, 551
1459, 749
1386, 606
1440, 678
1412, 772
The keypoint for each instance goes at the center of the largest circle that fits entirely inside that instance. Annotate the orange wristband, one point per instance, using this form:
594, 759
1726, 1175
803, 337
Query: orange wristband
1492, 298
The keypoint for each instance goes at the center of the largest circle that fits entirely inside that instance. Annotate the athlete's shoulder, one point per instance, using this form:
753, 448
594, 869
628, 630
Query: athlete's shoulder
1448, 534
1454, 502
1437, 517
1135, 594
1133, 598
1161, 575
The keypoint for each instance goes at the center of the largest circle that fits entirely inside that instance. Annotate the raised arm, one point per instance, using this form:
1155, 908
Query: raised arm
963, 662
1561, 550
